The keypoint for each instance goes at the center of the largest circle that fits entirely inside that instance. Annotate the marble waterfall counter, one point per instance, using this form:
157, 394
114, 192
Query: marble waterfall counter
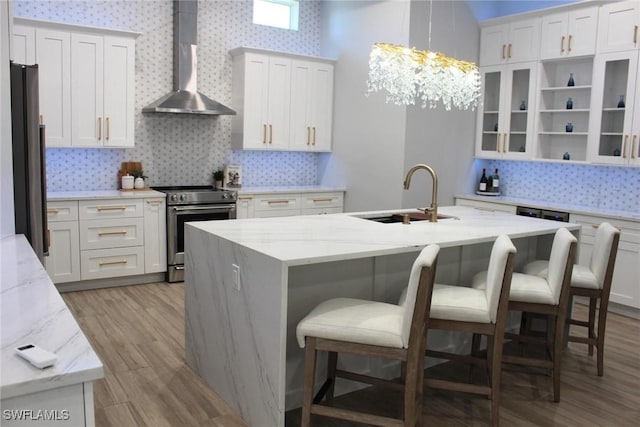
249, 282
32, 311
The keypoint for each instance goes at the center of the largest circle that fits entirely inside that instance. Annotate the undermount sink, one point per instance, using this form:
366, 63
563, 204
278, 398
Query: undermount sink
399, 217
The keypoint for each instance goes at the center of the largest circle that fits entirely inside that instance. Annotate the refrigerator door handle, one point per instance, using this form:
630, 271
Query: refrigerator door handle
43, 178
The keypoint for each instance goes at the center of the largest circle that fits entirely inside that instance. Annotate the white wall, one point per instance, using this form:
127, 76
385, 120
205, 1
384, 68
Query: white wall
375, 143
368, 134
7, 226
442, 139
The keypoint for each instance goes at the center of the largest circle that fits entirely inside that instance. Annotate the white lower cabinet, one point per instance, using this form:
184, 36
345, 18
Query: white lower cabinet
155, 235
489, 206
625, 288
99, 239
289, 204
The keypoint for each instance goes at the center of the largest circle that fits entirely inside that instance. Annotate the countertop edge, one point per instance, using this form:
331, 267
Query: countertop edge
102, 194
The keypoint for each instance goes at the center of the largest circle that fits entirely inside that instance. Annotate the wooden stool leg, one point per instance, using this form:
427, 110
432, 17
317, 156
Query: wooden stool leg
602, 324
557, 355
310, 358
332, 362
592, 322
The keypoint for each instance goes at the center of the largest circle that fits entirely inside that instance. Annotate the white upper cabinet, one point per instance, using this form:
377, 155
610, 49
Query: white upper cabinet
619, 27
505, 119
311, 106
517, 41
616, 129
283, 102
569, 34
53, 56
86, 80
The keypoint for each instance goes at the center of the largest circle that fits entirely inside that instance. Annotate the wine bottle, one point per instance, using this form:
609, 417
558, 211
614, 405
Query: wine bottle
495, 182
483, 181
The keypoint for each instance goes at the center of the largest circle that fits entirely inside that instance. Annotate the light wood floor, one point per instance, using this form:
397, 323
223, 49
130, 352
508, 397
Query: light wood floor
138, 332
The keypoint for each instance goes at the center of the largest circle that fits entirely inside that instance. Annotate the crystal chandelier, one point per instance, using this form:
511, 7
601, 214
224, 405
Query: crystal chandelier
410, 74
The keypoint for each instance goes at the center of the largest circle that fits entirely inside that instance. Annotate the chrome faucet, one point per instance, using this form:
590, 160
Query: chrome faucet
432, 211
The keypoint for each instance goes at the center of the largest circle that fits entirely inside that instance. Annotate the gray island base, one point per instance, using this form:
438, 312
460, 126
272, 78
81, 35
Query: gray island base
249, 282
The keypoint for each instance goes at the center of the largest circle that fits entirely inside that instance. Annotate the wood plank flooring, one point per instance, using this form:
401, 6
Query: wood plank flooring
138, 332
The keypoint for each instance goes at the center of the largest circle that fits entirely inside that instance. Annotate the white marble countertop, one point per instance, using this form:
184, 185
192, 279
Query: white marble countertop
320, 238
613, 213
103, 194
32, 311
285, 189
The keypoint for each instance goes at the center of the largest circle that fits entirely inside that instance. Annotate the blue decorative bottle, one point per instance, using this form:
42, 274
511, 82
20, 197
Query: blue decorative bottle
571, 81
523, 106
566, 156
569, 104
569, 127
621, 102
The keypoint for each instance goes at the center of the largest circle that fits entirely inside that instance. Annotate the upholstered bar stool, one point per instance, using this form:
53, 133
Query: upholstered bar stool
547, 296
594, 282
372, 329
464, 309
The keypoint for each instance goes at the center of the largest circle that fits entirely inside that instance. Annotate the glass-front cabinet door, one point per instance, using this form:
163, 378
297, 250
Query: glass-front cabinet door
615, 136
505, 121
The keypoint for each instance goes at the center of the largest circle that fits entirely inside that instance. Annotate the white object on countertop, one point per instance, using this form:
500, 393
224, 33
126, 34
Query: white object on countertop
127, 182
139, 183
37, 356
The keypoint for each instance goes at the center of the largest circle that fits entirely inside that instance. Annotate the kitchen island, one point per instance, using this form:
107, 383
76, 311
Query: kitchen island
249, 282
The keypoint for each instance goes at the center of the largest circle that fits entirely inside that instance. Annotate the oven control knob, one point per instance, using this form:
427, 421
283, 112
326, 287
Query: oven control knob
183, 197
225, 195
174, 197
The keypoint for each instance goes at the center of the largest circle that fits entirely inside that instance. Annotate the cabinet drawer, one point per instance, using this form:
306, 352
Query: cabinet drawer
321, 211
277, 202
488, 206
121, 208
103, 263
629, 230
322, 200
276, 213
62, 211
111, 233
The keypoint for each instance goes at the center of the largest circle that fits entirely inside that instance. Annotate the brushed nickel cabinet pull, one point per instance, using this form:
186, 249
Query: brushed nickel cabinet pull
633, 147
277, 202
41, 119
504, 143
497, 142
503, 46
154, 202
264, 134
108, 128
635, 34
111, 208
102, 263
53, 211
245, 198
569, 43
99, 128
562, 45
624, 148
308, 135
329, 199
111, 233
270, 134
314, 135
509, 51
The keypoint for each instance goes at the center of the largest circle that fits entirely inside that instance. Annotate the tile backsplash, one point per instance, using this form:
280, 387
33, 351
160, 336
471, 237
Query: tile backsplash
604, 187
179, 149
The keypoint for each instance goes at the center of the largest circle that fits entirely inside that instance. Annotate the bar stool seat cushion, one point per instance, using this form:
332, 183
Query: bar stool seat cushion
524, 288
581, 276
459, 303
354, 320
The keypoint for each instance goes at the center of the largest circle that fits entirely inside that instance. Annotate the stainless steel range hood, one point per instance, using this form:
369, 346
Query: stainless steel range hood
185, 98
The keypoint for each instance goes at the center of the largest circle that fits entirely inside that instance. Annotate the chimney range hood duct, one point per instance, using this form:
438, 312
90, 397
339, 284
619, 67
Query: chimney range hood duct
186, 98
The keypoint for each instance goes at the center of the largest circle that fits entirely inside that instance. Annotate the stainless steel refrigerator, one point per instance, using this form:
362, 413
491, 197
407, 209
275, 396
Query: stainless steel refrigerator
29, 175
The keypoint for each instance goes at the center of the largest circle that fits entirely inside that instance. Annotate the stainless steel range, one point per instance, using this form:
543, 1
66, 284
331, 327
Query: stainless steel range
191, 203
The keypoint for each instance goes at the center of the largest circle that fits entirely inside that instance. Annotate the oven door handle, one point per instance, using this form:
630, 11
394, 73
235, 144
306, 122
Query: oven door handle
220, 208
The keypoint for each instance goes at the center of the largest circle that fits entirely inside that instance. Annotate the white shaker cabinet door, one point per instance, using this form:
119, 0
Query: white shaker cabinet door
119, 91
63, 262
23, 50
619, 26
155, 235
53, 56
87, 96
279, 103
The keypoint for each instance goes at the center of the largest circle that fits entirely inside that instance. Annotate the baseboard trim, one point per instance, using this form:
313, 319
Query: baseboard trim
111, 282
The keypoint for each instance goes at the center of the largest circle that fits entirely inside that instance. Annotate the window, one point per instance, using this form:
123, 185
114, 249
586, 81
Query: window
276, 13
